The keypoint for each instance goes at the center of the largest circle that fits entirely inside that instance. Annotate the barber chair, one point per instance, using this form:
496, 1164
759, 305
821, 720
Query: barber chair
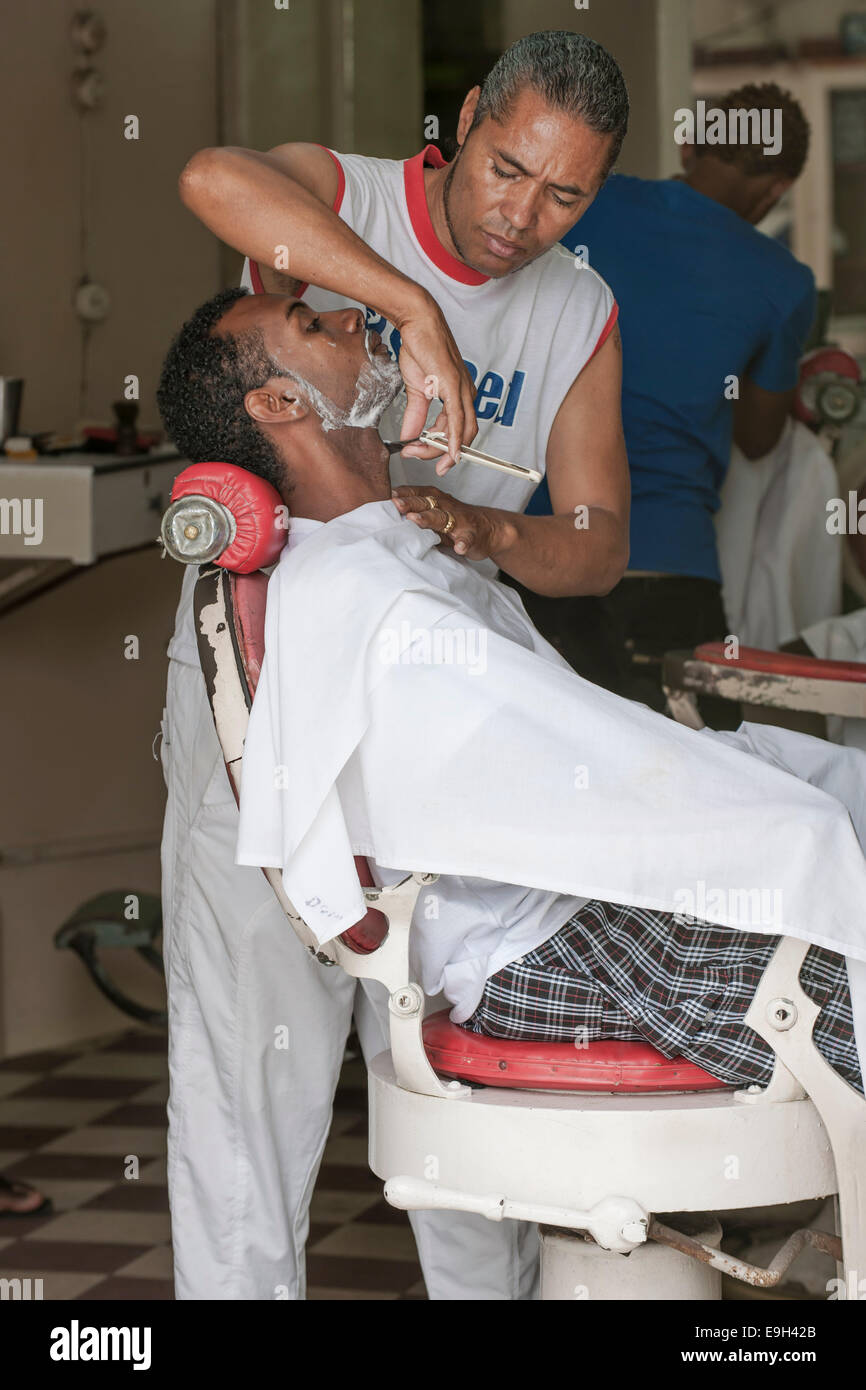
829, 388
620, 1154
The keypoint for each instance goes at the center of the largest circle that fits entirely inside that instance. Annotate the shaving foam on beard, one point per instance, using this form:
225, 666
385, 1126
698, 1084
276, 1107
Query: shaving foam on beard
378, 382
376, 385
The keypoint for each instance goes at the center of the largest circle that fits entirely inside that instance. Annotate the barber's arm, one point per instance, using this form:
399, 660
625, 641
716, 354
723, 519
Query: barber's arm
759, 418
258, 202
583, 547
767, 387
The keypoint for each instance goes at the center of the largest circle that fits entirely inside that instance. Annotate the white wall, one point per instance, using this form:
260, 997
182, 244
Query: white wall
790, 21
78, 719
83, 798
650, 41
158, 63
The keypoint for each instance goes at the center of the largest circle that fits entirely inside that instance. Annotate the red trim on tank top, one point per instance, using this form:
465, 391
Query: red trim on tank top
606, 331
419, 216
341, 181
255, 277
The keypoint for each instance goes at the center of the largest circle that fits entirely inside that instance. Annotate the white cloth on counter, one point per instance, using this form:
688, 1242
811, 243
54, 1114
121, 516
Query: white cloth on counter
781, 569
480, 753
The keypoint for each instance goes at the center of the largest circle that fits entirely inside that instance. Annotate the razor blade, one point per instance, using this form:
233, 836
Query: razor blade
439, 441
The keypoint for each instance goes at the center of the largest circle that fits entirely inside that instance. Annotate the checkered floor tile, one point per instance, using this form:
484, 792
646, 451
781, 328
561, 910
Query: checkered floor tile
68, 1118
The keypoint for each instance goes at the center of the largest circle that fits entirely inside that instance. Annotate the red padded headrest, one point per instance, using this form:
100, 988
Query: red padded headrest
821, 361
261, 516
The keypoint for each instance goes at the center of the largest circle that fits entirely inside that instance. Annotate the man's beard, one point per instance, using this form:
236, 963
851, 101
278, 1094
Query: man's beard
378, 384
446, 208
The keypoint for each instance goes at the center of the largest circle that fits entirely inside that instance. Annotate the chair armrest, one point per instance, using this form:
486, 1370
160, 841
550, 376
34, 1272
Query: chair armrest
784, 1016
389, 964
780, 680
781, 663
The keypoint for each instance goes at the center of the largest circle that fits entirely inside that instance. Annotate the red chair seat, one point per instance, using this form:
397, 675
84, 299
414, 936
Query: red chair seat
545, 1066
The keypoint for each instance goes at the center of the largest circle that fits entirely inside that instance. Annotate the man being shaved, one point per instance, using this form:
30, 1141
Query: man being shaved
266, 383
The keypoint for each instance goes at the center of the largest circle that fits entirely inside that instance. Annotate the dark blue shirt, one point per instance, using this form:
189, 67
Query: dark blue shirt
703, 296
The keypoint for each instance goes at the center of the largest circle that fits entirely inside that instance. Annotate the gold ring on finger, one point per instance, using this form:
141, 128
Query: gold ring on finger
449, 525
432, 504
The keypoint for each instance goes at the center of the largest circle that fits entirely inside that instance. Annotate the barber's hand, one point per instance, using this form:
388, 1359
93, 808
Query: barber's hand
475, 531
431, 366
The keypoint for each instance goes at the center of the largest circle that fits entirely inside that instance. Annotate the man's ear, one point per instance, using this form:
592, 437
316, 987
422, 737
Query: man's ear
687, 157
768, 199
467, 114
275, 403
779, 188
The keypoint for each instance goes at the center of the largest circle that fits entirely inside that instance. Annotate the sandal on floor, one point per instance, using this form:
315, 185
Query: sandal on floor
19, 1189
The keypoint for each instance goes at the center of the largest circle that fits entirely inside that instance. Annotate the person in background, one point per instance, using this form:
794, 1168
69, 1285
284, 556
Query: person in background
20, 1199
714, 316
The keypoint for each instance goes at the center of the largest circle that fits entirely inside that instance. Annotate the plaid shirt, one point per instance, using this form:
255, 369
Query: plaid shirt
634, 974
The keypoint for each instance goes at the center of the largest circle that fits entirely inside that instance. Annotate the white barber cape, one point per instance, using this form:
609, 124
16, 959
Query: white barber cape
477, 751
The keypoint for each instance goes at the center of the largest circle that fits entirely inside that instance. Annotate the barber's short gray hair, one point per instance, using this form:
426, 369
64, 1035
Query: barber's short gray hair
571, 72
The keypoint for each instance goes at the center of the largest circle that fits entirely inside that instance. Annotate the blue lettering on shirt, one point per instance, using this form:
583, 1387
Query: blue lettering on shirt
488, 395
509, 410
376, 323
489, 390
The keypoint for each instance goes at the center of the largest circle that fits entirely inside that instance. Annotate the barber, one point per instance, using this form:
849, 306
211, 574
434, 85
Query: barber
457, 266
714, 317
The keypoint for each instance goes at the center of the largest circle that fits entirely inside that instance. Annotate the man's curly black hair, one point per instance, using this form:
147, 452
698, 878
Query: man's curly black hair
201, 392
749, 157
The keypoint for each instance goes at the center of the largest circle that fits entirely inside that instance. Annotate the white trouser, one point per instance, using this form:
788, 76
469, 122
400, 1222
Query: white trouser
257, 1032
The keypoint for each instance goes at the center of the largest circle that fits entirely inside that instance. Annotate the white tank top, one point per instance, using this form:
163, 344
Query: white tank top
524, 338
